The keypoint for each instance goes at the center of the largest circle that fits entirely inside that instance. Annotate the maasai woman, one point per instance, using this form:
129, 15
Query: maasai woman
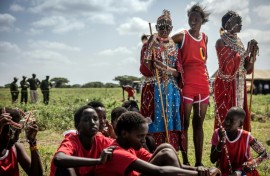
192, 54
160, 94
234, 63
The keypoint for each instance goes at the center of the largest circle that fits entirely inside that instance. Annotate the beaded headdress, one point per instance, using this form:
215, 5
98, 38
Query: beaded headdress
164, 20
228, 17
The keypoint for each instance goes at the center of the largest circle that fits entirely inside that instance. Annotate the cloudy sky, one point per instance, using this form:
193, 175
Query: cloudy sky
96, 40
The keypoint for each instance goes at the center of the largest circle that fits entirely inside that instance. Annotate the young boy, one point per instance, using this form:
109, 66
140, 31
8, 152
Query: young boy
237, 159
13, 152
129, 158
80, 152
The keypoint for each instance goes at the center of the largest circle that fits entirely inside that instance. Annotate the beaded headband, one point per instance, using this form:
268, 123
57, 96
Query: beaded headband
165, 20
232, 16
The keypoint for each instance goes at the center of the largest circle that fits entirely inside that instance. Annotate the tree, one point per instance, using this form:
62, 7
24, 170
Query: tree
60, 82
111, 85
126, 80
93, 84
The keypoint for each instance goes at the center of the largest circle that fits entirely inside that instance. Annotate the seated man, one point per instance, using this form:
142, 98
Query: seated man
129, 158
11, 151
79, 152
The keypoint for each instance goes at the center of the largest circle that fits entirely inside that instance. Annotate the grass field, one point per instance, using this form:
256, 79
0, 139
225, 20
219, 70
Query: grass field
57, 117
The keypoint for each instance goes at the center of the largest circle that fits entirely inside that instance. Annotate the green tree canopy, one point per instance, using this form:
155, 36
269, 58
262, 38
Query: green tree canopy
124, 80
93, 84
60, 82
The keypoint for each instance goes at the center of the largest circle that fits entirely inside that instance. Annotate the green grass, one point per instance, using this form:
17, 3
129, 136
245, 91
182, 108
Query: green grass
57, 117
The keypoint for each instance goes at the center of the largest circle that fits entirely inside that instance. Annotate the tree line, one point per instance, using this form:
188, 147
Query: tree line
61, 82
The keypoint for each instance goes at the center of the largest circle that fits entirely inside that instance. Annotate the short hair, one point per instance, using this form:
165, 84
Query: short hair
144, 37
117, 112
236, 111
201, 10
129, 121
95, 104
14, 113
130, 104
78, 114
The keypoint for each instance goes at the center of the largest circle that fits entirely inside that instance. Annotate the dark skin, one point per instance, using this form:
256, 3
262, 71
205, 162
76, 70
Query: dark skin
32, 166
163, 34
164, 155
195, 21
87, 129
234, 27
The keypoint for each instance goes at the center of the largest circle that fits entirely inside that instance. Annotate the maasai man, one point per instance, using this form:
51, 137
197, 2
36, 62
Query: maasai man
160, 101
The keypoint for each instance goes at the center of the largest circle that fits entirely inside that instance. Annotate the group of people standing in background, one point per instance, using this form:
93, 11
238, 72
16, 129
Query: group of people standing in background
177, 81
32, 83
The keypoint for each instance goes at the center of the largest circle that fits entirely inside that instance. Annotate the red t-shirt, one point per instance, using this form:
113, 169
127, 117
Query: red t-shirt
130, 91
238, 150
193, 56
72, 146
120, 161
9, 163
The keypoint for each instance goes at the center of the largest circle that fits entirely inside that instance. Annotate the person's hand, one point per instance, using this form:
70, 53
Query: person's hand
159, 65
110, 131
106, 154
152, 42
203, 171
222, 135
31, 132
5, 119
248, 166
213, 171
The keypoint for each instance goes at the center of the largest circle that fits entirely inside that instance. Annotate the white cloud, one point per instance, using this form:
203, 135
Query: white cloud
260, 35
219, 8
102, 18
52, 46
8, 47
135, 26
263, 11
34, 31
16, 8
115, 52
58, 24
45, 57
6, 22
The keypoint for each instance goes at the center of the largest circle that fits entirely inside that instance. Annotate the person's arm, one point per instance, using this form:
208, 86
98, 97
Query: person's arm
5, 119
66, 161
150, 169
31, 166
169, 70
262, 155
217, 149
178, 38
220, 43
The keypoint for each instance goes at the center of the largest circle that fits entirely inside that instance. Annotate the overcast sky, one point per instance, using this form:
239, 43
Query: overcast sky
96, 40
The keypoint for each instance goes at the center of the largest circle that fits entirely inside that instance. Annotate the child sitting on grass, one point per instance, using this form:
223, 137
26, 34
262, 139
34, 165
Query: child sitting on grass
80, 152
237, 161
129, 158
11, 151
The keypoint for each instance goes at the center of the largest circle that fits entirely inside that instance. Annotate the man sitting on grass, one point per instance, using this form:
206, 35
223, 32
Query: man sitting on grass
129, 158
80, 152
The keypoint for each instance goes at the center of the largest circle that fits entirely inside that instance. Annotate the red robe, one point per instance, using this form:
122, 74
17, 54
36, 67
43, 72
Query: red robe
225, 94
9, 163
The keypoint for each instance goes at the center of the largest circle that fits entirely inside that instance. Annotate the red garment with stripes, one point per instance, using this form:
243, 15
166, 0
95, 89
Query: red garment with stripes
9, 163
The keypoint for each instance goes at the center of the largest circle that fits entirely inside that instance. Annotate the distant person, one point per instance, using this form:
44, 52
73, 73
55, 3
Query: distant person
12, 152
144, 39
237, 160
130, 158
80, 152
45, 89
34, 83
130, 91
24, 91
14, 90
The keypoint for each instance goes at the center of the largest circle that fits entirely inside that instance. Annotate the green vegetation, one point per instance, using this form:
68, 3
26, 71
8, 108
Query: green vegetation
57, 117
